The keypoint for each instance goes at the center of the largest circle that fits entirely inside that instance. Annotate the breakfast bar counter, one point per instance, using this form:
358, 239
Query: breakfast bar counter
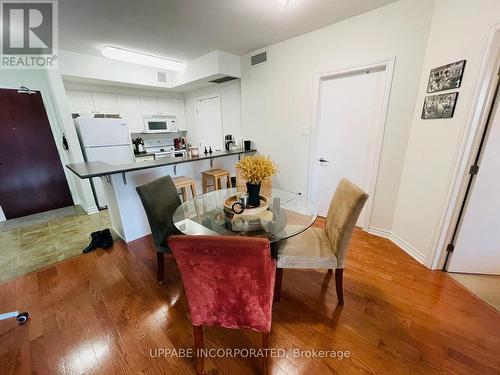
119, 182
99, 169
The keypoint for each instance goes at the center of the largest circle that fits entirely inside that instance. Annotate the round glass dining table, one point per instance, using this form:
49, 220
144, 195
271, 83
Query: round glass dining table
288, 215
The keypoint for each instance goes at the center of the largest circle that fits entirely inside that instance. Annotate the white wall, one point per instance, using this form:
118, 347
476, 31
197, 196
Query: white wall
197, 73
230, 97
200, 71
277, 97
459, 30
83, 190
70, 85
95, 67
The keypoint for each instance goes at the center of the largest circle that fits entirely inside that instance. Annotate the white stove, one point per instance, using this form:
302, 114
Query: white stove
162, 148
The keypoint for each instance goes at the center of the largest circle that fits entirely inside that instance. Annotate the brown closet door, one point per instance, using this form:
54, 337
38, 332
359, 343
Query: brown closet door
32, 179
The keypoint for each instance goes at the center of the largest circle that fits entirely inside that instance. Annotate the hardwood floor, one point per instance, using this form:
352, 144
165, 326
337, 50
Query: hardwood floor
104, 313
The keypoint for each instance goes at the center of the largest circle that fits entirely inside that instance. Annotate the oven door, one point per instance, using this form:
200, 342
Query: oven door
163, 155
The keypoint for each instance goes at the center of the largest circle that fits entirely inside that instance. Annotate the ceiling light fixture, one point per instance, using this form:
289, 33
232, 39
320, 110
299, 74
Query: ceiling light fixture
133, 57
286, 2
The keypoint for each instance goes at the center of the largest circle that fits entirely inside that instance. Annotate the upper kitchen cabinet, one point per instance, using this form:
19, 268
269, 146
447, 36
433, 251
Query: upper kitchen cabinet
105, 103
149, 106
165, 106
157, 106
130, 109
81, 102
180, 113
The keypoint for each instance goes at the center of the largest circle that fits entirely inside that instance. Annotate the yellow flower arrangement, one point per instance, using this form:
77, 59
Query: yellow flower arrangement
255, 169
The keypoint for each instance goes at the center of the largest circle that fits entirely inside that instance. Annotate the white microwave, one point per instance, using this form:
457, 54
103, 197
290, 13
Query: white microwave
162, 124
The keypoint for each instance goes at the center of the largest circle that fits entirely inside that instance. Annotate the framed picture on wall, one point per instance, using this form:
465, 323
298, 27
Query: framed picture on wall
439, 106
446, 77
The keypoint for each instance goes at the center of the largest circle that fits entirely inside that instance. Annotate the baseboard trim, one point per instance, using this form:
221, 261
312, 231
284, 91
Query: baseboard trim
380, 232
90, 210
405, 246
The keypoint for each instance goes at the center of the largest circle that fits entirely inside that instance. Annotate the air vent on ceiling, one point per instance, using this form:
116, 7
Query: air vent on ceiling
258, 59
223, 79
162, 77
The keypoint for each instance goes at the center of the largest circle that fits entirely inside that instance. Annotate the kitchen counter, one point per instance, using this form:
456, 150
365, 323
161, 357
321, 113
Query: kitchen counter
119, 183
99, 169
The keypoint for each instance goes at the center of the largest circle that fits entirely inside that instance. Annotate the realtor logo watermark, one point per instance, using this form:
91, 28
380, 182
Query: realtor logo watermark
29, 34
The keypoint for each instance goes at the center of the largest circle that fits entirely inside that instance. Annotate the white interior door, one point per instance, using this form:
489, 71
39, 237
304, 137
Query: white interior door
349, 120
477, 246
209, 123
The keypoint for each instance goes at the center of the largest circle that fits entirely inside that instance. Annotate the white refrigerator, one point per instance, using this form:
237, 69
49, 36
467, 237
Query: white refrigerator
107, 140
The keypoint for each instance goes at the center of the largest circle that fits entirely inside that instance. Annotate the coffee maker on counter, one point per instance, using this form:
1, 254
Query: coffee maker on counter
138, 146
228, 141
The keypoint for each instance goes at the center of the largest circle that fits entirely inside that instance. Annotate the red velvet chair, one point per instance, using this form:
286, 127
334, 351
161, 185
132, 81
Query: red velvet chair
229, 282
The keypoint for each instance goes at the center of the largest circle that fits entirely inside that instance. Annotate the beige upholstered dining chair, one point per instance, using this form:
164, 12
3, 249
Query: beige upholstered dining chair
326, 248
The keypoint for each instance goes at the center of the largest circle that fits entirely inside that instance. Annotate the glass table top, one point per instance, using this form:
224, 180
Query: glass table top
288, 215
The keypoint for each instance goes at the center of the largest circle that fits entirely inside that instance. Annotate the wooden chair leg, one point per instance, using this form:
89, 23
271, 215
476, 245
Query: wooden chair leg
193, 190
339, 273
277, 285
265, 359
184, 194
204, 183
160, 260
198, 347
229, 184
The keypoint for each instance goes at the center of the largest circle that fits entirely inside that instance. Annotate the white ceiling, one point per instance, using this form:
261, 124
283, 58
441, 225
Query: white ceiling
185, 29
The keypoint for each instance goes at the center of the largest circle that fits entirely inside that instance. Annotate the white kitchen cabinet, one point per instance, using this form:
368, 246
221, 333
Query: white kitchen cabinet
180, 113
157, 106
149, 106
129, 108
105, 103
81, 102
165, 106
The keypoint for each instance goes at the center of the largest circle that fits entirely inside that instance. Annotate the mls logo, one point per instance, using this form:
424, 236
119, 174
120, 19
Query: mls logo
28, 34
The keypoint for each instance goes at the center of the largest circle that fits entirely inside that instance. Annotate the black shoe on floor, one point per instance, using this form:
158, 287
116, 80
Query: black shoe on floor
95, 242
106, 238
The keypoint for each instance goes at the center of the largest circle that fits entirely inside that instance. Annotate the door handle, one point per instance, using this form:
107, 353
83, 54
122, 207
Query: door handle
323, 160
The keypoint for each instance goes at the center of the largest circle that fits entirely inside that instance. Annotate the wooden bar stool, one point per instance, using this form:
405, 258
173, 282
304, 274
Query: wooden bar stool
213, 177
183, 183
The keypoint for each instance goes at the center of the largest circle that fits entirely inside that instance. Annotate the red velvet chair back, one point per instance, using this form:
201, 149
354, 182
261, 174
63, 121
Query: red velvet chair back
229, 281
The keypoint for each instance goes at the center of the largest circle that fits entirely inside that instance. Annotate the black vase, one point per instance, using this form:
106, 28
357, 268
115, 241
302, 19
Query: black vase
253, 191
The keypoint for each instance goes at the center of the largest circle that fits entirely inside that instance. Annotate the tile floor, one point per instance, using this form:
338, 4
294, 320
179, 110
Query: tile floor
486, 287
31, 243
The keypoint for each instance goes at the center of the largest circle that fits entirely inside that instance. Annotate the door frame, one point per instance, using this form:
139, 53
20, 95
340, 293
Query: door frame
199, 99
386, 64
482, 96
